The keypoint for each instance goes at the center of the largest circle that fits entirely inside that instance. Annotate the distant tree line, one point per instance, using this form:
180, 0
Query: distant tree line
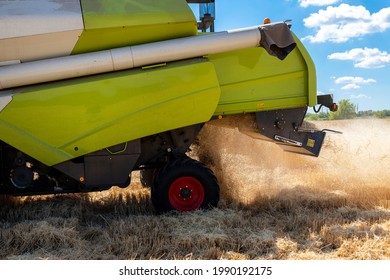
347, 110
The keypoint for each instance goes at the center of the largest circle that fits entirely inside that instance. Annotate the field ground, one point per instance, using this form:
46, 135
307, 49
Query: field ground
274, 205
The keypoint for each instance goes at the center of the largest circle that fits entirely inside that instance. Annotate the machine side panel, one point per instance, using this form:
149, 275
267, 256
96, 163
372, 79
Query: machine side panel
252, 81
113, 24
59, 121
311, 73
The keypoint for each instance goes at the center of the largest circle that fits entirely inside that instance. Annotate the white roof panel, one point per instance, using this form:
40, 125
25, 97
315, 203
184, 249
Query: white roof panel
20, 18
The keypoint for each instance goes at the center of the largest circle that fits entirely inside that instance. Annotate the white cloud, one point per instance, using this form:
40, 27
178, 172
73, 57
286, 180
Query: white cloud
352, 83
307, 3
357, 80
319, 92
364, 58
339, 24
359, 96
350, 87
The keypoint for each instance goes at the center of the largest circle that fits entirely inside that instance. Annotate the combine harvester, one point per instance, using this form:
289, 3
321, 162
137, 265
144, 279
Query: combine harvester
91, 90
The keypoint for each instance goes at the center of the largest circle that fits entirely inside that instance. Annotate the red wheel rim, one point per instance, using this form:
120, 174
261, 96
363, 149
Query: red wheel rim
186, 194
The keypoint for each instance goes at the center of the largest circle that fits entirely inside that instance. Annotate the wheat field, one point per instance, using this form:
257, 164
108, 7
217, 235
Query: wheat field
274, 205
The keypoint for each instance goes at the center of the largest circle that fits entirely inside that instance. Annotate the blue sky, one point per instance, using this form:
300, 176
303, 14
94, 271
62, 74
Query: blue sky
348, 40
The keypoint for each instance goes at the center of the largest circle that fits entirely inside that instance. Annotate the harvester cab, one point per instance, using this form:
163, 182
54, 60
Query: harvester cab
206, 14
93, 90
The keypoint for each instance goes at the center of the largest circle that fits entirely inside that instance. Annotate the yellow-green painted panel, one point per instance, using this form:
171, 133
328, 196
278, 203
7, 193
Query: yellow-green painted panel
112, 24
100, 14
60, 121
251, 80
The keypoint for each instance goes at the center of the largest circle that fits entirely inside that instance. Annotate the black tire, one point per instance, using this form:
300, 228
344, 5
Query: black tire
147, 177
185, 185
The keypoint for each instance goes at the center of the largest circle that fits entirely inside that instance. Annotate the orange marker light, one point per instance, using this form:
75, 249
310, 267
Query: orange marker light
220, 117
267, 20
82, 179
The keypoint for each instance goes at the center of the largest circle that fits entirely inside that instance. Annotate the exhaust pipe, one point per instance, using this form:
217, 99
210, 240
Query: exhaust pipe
276, 38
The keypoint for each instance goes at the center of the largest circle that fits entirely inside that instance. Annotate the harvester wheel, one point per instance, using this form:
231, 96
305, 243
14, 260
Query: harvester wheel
147, 177
185, 185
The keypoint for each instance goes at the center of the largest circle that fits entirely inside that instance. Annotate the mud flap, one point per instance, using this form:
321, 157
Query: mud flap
311, 144
284, 127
